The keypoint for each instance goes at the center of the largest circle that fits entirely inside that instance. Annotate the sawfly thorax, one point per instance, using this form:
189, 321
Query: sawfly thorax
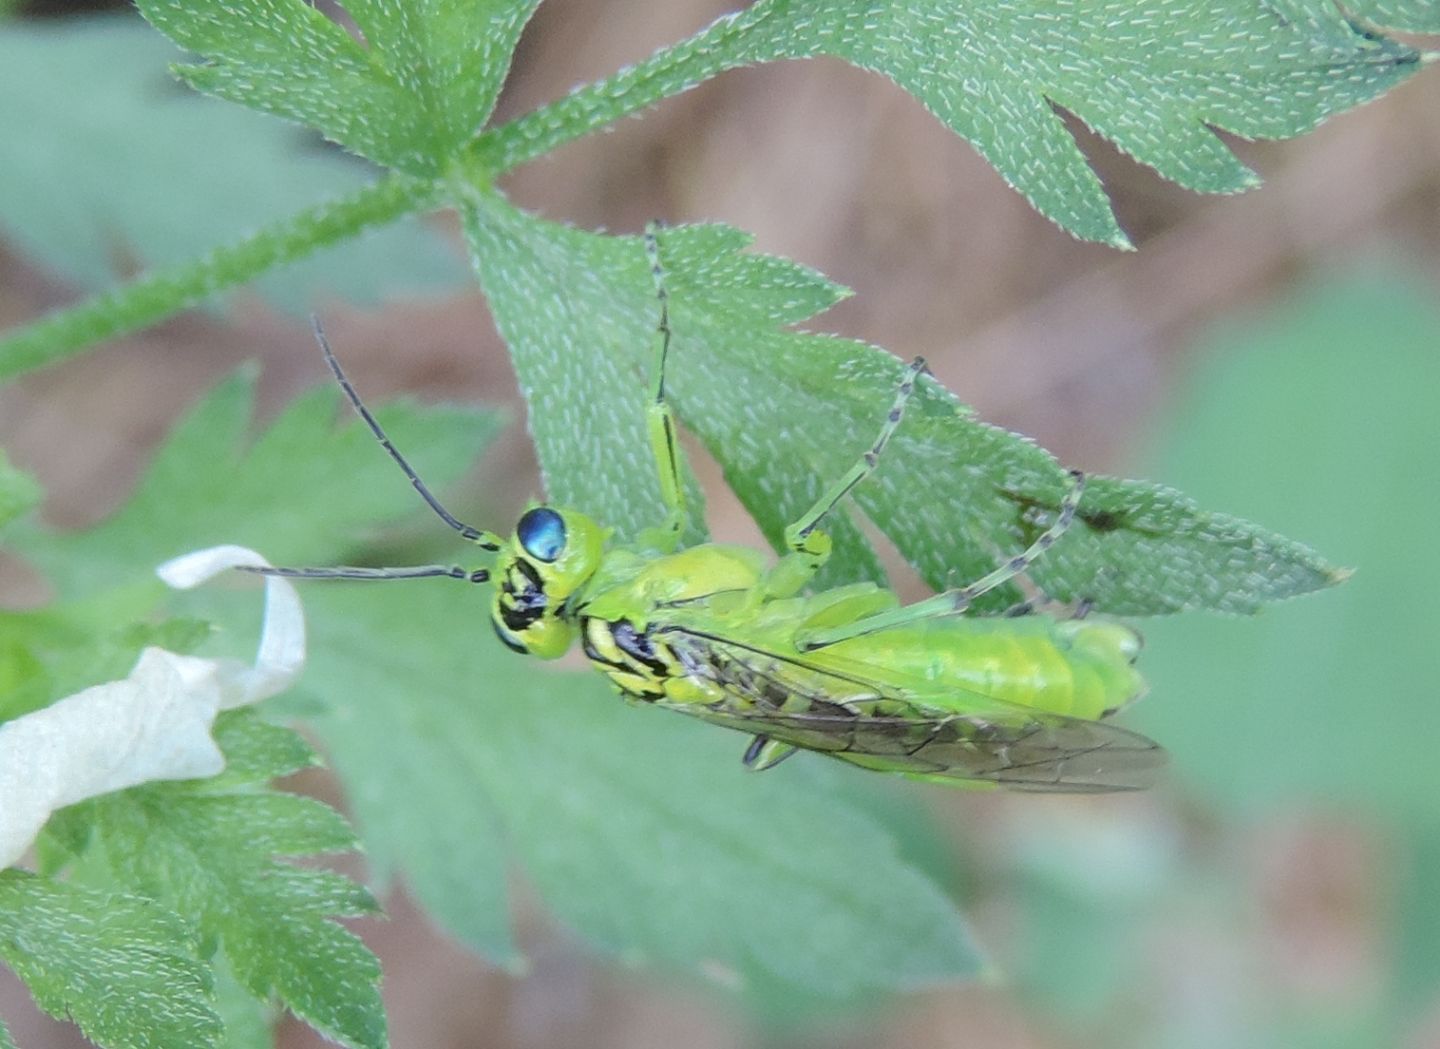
551, 555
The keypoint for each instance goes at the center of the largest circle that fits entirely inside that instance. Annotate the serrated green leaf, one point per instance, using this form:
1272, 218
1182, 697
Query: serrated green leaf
209, 485
207, 849
417, 86
282, 494
1152, 76
786, 413
196, 172
640, 829
124, 969
5, 1042
257, 752
1320, 417
19, 492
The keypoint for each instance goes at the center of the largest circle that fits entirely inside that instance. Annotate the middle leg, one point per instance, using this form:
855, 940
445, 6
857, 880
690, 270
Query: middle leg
809, 544
955, 601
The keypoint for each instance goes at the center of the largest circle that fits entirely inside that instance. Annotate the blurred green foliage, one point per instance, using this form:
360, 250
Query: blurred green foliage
1320, 420
1314, 722
180, 172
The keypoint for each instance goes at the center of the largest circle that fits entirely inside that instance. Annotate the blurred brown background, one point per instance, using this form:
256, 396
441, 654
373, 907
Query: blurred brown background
1076, 345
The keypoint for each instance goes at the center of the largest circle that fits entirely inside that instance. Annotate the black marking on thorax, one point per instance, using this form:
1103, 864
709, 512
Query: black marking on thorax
639, 647
522, 596
631, 657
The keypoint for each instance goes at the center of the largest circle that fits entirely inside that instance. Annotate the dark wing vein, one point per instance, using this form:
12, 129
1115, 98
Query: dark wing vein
863, 719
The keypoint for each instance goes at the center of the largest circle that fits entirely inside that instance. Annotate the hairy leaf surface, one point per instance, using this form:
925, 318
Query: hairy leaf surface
788, 412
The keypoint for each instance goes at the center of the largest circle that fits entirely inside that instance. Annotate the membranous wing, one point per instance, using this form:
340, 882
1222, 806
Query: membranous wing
861, 715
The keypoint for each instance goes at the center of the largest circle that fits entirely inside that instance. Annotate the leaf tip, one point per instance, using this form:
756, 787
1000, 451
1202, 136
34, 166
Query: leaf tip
1247, 180
1336, 576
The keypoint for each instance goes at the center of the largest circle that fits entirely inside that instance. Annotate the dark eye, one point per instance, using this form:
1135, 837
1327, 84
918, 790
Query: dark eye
542, 533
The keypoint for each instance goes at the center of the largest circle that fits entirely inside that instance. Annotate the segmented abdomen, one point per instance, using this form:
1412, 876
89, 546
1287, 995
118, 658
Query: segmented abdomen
1082, 668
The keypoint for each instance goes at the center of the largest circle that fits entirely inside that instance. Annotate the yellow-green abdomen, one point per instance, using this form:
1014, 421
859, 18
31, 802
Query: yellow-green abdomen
1080, 667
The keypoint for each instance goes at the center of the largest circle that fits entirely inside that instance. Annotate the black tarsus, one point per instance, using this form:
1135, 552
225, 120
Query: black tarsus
751, 758
752, 752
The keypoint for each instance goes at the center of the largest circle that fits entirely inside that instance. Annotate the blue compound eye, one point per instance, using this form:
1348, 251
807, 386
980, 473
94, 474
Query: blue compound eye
541, 532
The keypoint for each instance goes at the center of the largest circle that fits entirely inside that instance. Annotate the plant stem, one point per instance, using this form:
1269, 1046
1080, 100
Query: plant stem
726, 43
164, 292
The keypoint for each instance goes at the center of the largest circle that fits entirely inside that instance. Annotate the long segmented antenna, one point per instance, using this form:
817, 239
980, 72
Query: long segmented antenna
467, 575
482, 538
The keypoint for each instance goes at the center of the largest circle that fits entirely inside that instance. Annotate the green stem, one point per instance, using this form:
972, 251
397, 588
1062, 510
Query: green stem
728, 42
164, 292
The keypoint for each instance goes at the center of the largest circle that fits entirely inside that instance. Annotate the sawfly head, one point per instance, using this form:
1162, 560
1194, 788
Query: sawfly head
552, 554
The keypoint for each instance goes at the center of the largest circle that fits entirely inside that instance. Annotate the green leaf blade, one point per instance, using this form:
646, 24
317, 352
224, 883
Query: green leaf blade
207, 848
695, 879
452, 54
955, 495
124, 969
323, 973
1153, 77
1148, 76
389, 741
249, 1022
417, 89
578, 367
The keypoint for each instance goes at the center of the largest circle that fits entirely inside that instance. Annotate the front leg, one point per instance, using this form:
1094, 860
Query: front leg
793, 572
659, 419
